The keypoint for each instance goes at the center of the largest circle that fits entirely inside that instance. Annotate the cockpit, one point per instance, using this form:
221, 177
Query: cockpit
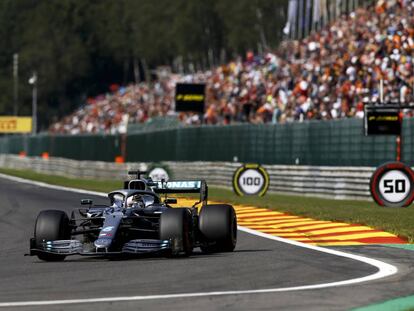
132, 199
140, 201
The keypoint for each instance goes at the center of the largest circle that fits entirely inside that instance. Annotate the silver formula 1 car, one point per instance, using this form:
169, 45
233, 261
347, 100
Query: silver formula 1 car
138, 220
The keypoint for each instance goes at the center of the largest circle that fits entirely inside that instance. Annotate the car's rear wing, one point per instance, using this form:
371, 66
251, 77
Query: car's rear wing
182, 186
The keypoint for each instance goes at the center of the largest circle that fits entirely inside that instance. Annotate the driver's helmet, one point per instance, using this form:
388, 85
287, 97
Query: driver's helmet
135, 201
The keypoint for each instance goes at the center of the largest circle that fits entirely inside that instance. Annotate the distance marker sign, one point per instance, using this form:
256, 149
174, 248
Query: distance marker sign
250, 179
158, 174
392, 185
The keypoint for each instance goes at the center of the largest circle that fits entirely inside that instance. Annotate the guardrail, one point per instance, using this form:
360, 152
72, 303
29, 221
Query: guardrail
322, 181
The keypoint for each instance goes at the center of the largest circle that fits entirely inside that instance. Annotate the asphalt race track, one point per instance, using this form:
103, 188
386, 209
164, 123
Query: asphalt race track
257, 263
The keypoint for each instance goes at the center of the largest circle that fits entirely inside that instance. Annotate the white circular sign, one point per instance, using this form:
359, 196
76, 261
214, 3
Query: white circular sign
251, 181
394, 186
158, 173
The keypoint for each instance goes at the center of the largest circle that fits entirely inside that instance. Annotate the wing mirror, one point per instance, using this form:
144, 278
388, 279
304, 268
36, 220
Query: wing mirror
86, 202
170, 201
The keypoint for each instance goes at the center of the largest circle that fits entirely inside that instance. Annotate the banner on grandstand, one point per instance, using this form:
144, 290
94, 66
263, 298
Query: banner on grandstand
11, 124
382, 122
190, 97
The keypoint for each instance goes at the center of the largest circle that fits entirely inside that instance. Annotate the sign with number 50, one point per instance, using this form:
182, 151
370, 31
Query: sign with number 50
392, 185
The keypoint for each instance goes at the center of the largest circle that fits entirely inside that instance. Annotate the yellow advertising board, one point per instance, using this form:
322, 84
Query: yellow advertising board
11, 124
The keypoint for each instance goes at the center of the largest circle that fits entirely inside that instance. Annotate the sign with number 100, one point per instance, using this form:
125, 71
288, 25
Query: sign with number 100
392, 185
250, 179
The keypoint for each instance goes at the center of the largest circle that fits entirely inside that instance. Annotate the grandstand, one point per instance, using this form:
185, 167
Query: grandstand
330, 74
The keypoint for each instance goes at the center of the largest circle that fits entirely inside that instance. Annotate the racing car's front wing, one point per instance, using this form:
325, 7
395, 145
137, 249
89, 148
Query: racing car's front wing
75, 247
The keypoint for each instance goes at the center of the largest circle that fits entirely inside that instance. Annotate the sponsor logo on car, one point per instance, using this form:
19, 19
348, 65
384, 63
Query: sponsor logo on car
103, 234
180, 185
108, 229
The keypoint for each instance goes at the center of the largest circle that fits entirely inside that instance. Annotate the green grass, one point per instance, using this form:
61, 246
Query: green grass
399, 221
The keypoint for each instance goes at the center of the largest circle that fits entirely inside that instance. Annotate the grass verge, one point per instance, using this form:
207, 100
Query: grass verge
399, 221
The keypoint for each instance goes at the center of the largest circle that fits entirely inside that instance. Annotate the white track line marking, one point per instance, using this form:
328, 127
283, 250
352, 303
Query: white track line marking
384, 269
45, 185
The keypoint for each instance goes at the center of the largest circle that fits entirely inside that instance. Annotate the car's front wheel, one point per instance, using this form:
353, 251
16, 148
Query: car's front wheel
175, 225
51, 225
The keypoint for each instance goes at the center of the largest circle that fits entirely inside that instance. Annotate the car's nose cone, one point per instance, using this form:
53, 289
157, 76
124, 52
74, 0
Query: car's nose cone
102, 243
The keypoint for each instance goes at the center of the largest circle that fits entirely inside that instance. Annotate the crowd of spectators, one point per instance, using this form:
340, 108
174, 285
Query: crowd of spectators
331, 74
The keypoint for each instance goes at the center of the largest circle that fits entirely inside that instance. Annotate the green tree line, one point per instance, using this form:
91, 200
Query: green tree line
79, 47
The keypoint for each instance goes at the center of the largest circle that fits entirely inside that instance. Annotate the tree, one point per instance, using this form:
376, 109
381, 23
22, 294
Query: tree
79, 47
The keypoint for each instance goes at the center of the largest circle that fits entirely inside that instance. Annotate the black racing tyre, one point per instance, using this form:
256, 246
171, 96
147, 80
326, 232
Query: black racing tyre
218, 226
51, 225
175, 224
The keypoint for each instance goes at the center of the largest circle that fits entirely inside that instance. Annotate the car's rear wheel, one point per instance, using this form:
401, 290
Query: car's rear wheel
51, 225
218, 226
175, 225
